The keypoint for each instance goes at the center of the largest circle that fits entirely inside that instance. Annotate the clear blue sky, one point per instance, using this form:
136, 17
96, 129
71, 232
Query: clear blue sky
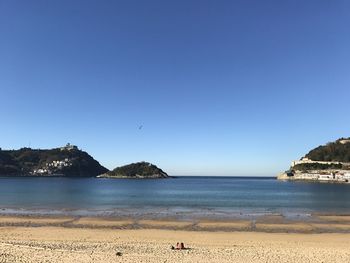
220, 87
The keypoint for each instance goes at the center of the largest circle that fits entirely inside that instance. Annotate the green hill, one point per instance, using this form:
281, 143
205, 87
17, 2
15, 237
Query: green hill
66, 161
338, 151
136, 170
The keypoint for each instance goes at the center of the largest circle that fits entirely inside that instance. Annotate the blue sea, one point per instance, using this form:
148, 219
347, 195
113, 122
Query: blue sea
181, 197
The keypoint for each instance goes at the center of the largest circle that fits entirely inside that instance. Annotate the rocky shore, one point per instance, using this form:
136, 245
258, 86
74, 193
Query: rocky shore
335, 176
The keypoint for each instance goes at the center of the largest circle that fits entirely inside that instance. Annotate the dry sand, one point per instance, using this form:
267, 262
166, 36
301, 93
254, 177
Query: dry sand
98, 240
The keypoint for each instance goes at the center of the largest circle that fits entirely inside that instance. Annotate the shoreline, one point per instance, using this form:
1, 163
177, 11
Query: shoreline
177, 213
310, 177
316, 224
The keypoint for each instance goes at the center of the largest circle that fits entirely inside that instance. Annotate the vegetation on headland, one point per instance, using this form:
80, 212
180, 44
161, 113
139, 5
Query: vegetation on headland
136, 170
316, 166
337, 151
66, 161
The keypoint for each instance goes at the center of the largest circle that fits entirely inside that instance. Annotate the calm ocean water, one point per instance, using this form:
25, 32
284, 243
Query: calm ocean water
182, 197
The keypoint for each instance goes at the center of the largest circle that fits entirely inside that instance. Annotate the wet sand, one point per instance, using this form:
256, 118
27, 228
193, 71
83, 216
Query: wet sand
270, 224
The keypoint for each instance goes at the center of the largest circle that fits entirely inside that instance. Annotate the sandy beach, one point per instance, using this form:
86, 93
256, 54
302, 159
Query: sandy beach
65, 239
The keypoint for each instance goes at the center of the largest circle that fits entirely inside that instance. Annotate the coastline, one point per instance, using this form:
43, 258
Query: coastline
315, 224
86, 239
313, 176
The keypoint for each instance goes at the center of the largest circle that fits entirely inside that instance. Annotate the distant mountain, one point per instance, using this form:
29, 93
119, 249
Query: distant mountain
136, 170
66, 161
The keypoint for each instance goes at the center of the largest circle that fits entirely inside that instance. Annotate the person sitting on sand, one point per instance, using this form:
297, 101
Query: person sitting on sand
179, 246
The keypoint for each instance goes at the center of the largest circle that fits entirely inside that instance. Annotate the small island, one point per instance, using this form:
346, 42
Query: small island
140, 170
326, 163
